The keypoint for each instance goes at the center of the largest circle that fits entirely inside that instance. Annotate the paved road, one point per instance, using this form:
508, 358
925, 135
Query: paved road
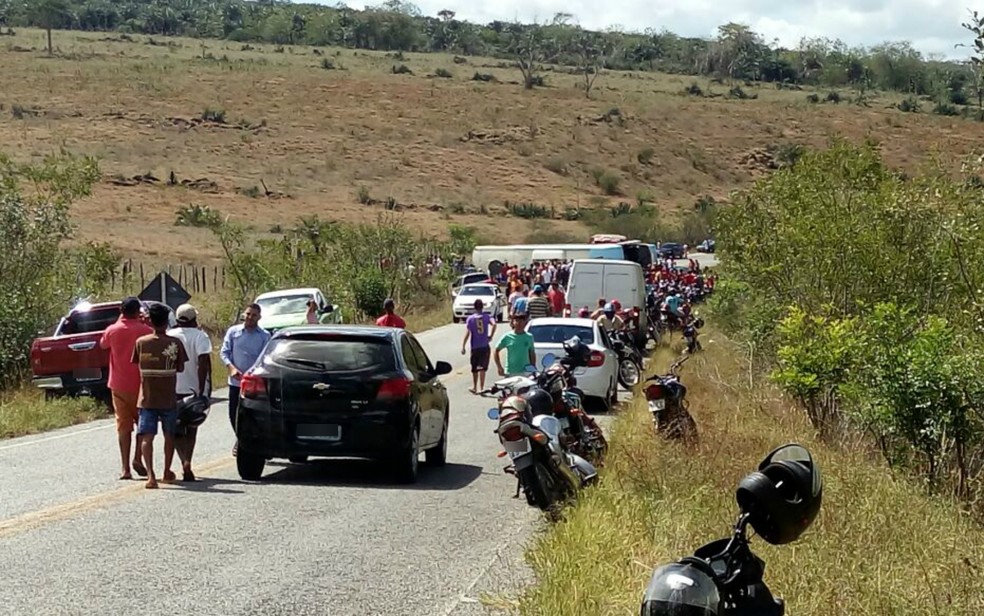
332, 537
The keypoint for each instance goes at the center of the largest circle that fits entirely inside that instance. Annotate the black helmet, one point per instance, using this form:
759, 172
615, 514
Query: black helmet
681, 589
783, 497
540, 402
192, 411
578, 351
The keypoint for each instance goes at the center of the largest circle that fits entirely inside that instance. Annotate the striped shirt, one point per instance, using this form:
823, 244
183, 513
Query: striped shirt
538, 307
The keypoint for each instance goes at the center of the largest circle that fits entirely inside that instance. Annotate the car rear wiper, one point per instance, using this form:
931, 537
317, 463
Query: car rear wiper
307, 362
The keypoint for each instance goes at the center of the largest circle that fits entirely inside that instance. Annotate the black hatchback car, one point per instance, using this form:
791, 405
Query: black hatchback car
358, 391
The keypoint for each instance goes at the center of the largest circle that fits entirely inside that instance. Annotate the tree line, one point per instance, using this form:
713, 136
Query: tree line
736, 53
857, 288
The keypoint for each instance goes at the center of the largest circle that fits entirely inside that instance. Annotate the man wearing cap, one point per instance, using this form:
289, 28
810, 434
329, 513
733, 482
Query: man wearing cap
538, 306
120, 339
390, 318
193, 378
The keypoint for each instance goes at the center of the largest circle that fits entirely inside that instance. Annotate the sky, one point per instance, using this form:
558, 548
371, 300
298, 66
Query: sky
932, 26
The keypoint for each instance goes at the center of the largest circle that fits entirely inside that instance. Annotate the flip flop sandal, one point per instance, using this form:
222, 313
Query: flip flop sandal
140, 470
126, 477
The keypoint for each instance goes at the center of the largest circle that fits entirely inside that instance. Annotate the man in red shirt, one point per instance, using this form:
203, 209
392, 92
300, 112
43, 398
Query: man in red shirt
120, 339
390, 318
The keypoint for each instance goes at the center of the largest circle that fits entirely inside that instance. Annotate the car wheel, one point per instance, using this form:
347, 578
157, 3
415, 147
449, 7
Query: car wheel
408, 462
438, 455
498, 317
454, 319
249, 465
298, 459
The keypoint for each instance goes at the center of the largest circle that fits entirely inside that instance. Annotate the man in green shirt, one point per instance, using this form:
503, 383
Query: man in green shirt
519, 348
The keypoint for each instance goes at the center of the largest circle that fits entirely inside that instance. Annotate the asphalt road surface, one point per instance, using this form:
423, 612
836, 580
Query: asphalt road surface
325, 538
328, 537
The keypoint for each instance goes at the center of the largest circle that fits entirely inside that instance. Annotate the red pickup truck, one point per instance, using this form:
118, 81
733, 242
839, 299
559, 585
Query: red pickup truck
70, 361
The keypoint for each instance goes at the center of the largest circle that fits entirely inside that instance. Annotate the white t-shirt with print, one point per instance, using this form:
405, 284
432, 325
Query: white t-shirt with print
196, 342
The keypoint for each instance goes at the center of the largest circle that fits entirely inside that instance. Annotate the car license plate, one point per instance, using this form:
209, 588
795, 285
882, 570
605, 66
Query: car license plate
657, 405
319, 432
87, 374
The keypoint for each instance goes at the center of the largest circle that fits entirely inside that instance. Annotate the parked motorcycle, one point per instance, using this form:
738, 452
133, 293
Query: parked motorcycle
629, 359
667, 399
531, 436
724, 577
581, 434
690, 334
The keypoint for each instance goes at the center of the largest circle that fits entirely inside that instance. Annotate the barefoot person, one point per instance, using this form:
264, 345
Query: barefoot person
161, 358
192, 379
124, 379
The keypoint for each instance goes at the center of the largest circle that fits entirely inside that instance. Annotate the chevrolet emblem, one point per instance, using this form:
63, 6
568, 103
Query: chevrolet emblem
321, 386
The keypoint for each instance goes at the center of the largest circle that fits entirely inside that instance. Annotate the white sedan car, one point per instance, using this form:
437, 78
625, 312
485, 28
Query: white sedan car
597, 380
493, 302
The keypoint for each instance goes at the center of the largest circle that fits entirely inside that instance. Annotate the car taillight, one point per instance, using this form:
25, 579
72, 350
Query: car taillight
597, 359
654, 391
512, 433
394, 389
252, 386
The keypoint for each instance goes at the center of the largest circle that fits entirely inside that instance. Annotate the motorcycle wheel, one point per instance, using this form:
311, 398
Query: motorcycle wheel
629, 373
536, 492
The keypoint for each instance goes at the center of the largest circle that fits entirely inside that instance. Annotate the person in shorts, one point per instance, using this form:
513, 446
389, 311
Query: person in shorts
480, 329
160, 358
124, 380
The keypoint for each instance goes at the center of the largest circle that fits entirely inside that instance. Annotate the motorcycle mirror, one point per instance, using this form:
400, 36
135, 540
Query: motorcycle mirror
548, 360
787, 479
529, 369
493, 413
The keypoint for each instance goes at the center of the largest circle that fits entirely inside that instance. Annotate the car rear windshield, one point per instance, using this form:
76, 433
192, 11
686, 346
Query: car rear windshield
477, 291
332, 353
285, 304
90, 321
560, 333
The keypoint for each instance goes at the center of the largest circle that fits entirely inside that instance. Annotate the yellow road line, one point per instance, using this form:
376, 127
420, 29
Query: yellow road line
48, 515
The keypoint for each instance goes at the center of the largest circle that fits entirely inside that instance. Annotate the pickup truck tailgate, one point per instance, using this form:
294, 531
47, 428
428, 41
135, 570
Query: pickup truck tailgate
78, 355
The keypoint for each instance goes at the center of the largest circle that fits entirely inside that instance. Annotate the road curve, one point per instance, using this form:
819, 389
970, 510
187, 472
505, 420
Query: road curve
330, 537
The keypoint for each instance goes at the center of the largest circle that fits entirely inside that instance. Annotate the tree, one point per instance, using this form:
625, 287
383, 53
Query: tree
976, 27
49, 14
739, 52
592, 50
531, 46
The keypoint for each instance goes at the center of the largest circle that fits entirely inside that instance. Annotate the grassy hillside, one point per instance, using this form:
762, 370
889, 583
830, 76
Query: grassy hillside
336, 133
879, 546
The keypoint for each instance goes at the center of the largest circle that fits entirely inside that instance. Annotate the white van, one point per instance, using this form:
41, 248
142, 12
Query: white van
593, 279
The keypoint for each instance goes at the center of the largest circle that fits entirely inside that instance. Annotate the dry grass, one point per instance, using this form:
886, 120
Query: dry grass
318, 135
880, 545
24, 411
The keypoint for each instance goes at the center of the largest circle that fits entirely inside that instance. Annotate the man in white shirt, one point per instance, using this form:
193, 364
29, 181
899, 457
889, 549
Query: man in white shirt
193, 379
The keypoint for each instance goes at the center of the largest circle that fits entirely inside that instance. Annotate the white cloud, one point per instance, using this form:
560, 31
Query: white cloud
932, 26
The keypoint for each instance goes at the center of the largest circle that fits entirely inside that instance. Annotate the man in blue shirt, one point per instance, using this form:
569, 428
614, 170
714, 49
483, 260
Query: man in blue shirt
241, 347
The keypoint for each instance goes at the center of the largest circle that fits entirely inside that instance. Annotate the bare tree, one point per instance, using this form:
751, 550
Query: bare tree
592, 50
50, 14
532, 46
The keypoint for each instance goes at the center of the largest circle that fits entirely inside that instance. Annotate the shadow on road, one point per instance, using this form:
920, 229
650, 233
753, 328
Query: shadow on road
209, 485
366, 473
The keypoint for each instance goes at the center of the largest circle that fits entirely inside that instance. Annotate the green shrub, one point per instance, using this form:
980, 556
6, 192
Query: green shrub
443, 73
369, 292
608, 181
909, 105
402, 69
645, 155
214, 115
528, 210
363, 195
197, 216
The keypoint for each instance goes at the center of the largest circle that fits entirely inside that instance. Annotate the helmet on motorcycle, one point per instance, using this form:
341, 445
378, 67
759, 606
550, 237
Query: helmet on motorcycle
609, 309
192, 411
783, 497
577, 351
681, 589
539, 401
617, 305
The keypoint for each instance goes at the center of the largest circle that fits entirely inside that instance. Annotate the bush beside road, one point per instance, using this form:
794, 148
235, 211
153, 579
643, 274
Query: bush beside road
879, 546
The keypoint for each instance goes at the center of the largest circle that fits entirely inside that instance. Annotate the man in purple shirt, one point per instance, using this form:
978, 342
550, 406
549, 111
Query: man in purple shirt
480, 328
